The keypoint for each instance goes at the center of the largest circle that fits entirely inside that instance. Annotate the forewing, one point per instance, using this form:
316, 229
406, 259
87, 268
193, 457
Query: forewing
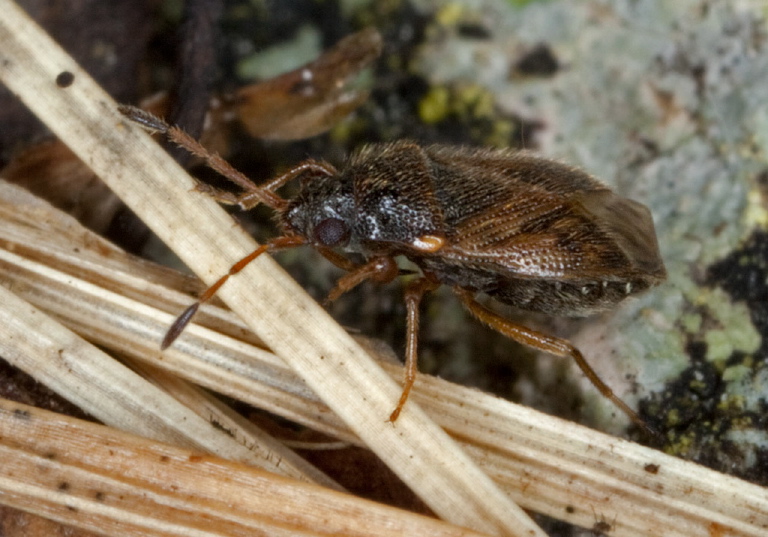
579, 236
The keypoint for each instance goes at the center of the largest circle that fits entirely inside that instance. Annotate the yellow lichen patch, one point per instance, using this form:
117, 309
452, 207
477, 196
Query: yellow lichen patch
435, 106
450, 14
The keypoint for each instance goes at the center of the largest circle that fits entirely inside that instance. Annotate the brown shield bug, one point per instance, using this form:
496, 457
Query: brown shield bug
527, 231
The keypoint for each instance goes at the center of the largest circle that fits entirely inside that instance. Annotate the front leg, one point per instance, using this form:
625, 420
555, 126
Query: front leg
337, 259
379, 269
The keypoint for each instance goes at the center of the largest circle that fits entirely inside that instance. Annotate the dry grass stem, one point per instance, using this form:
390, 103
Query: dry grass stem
246, 442
99, 479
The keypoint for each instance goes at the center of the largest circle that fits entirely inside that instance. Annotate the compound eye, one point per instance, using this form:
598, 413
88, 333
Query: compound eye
332, 232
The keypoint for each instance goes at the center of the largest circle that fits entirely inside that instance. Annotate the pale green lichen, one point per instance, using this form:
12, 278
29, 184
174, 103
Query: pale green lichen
756, 214
750, 437
264, 64
691, 322
733, 330
737, 373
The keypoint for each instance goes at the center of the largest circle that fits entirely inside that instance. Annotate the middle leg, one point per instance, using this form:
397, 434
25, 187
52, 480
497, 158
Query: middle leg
414, 292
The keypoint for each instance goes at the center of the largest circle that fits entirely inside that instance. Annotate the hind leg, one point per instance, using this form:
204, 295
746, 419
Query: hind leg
548, 344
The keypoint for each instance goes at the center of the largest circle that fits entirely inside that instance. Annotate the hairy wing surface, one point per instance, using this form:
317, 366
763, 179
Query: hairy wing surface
548, 236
